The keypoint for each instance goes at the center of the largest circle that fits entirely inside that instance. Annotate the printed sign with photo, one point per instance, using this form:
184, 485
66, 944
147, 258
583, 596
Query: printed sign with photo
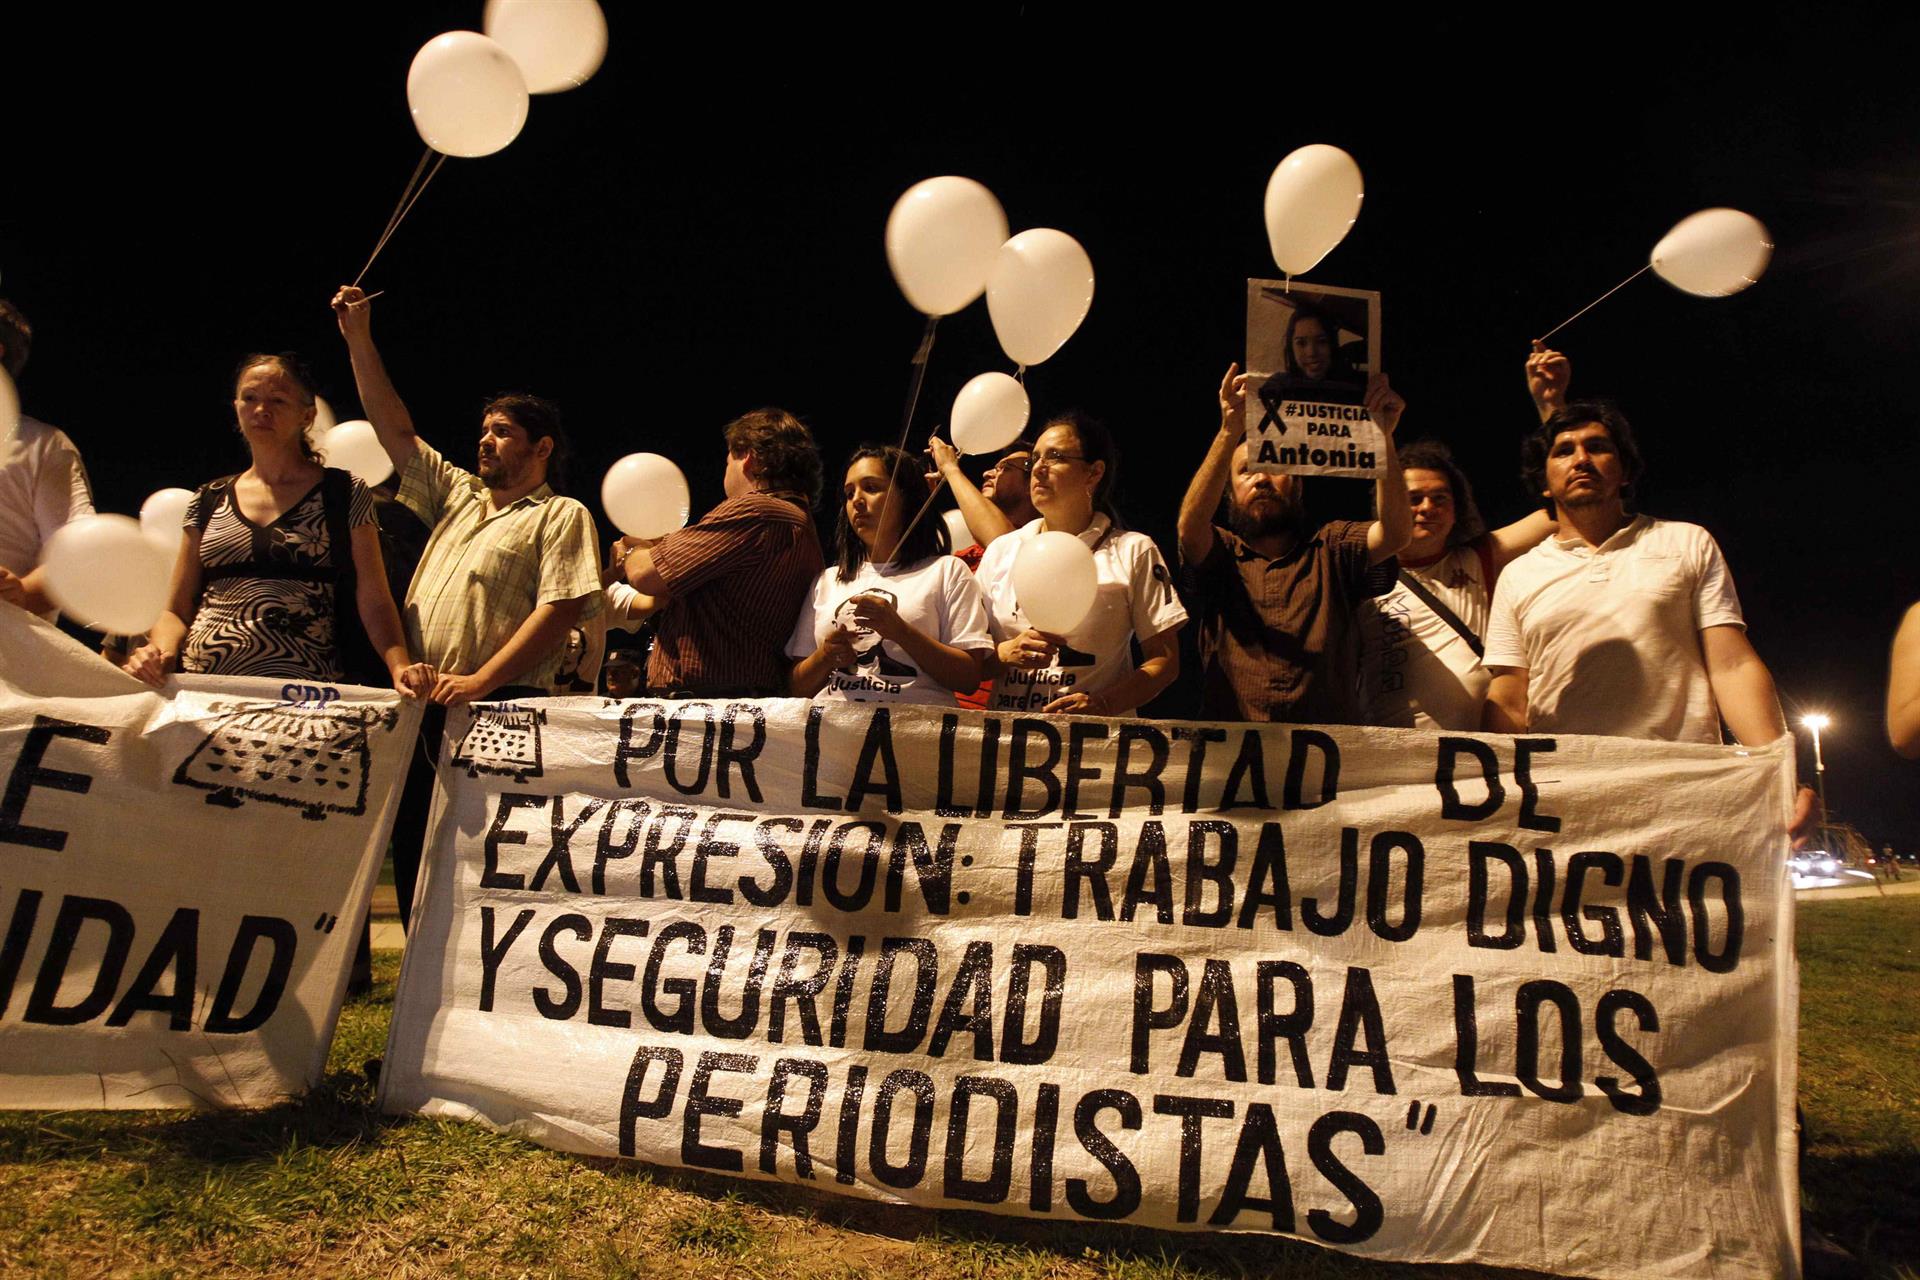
1309, 353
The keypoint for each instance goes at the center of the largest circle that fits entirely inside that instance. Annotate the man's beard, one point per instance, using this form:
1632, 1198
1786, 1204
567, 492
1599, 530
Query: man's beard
1277, 516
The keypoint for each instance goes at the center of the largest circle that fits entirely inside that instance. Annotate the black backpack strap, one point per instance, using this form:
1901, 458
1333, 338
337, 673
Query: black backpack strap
208, 498
1443, 613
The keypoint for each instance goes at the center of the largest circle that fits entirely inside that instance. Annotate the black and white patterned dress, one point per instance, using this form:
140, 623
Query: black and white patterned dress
267, 626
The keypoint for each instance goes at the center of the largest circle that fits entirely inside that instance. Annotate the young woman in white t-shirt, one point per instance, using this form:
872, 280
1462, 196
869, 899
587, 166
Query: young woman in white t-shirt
896, 619
1089, 670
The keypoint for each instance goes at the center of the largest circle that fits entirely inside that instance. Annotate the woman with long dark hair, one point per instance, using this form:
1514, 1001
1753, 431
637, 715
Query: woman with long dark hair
1089, 670
896, 618
269, 554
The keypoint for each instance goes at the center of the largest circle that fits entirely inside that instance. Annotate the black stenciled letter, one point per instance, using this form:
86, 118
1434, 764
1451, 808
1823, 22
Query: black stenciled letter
28, 774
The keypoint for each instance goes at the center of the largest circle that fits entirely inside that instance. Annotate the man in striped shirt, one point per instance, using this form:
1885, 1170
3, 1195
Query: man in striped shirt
724, 591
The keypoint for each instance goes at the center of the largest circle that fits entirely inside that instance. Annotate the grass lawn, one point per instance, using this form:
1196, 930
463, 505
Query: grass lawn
328, 1187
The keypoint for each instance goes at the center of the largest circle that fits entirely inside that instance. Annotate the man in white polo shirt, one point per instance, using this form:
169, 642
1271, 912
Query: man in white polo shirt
1622, 624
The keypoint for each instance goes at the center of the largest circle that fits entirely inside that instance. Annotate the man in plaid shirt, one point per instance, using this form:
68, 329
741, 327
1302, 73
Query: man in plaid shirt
509, 569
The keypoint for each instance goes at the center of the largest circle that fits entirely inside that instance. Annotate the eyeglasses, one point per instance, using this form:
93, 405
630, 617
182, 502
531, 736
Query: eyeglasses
1020, 464
1053, 458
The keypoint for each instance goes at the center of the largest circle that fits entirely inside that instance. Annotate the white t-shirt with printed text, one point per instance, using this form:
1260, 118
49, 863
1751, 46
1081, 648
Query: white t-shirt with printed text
1609, 636
1134, 597
1416, 671
937, 597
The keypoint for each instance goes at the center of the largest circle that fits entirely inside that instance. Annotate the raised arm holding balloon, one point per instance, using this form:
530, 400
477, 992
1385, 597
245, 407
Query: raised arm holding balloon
503, 633
1070, 591
898, 619
980, 506
260, 575
1549, 374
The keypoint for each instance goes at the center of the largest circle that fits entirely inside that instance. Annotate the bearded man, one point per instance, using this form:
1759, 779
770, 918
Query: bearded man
1275, 593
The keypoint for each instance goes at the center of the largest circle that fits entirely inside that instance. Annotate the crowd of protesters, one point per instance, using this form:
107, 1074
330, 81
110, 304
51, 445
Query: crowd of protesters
1587, 616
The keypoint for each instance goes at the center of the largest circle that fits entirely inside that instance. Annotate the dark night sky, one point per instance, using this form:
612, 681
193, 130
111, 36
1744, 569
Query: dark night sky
698, 231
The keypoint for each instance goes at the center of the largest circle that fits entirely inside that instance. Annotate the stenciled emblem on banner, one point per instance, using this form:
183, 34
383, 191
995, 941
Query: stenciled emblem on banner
502, 740
313, 758
1309, 353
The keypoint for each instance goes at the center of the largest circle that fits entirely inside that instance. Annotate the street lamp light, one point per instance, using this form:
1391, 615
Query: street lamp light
1816, 721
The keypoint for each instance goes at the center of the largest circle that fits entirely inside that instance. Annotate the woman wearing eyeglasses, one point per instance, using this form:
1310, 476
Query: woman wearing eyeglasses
1090, 670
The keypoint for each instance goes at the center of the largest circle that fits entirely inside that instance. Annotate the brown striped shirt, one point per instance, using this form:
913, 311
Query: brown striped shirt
736, 579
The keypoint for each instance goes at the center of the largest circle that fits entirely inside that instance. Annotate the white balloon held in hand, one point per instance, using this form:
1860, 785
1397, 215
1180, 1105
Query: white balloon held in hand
105, 573
645, 495
558, 44
1713, 253
1313, 200
355, 446
1053, 582
466, 94
1038, 292
989, 413
942, 237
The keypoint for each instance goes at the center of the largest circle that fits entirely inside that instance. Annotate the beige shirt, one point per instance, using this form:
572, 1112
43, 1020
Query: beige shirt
484, 572
1609, 636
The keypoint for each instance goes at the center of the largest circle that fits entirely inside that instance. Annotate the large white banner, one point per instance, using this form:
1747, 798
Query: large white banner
182, 875
1527, 1002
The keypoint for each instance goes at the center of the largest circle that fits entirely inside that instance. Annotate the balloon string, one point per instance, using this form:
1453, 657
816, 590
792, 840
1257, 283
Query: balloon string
906, 419
931, 495
399, 205
418, 169
408, 199
1596, 302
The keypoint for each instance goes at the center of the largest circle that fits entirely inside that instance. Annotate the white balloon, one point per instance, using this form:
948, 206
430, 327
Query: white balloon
1038, 292
9, 407
467, 95
989, 413
105, 573
1053, 582
558, 44
1313, 200
942, 238
356, 447
163, 517
645, 495
323, 422
1713, 253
